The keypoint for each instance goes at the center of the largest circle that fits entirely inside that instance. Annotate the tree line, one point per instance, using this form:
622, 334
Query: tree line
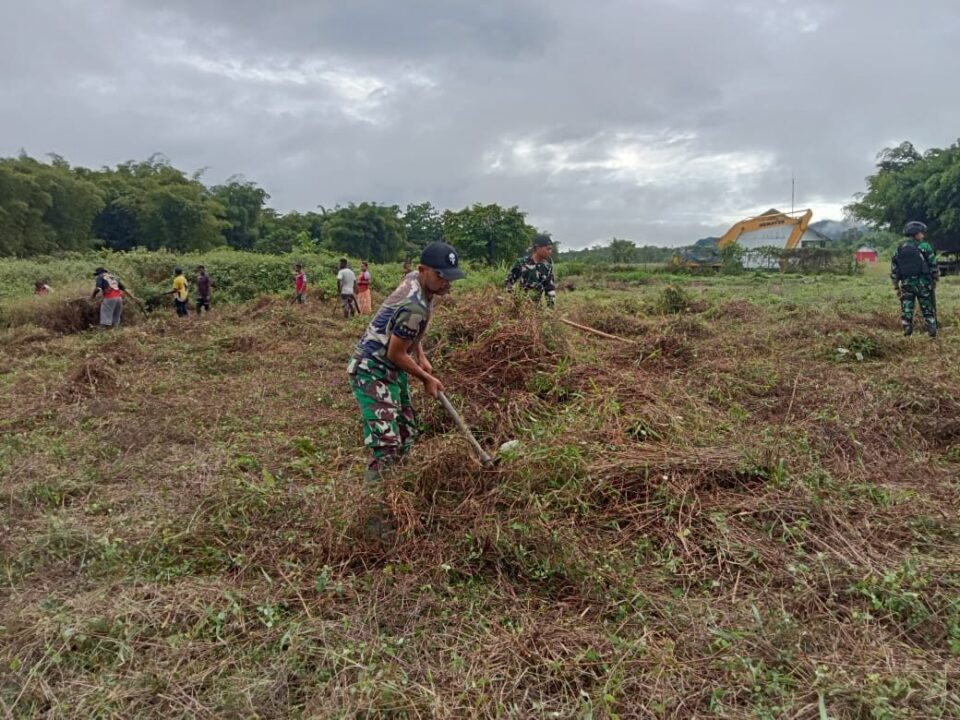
620, 251
49, 207
909, 185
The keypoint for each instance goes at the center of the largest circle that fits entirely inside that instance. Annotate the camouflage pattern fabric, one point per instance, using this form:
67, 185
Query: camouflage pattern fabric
405, 314
534, 277
918, 289
389, 423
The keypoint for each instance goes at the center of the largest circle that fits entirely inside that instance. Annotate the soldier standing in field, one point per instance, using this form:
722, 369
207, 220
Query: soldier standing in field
535, 271
915, 273
388, 352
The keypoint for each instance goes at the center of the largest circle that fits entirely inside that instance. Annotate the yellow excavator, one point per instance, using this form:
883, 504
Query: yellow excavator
770, 229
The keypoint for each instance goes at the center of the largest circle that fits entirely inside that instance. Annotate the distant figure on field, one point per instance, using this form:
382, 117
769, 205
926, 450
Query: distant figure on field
364, 302
914, 272
346, 287
111, 308
40, 288
535, 271
407, 267
204, 289
180, 292
300, 285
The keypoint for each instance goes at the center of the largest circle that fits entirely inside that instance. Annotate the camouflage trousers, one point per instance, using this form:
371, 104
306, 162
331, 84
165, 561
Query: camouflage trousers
918, 291
389, 423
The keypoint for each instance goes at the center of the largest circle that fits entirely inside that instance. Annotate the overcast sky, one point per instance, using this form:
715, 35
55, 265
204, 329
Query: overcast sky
660, 121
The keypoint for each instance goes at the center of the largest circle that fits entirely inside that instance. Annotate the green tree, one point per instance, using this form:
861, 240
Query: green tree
181, 218
281, 230
243, 204
45, 207
489, 233
622, 251
368, 231
910, 186
22, 206
424, 225
154, 205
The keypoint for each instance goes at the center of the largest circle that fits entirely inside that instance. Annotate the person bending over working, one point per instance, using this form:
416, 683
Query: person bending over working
535, 271
914, 272
111, 308
389, 351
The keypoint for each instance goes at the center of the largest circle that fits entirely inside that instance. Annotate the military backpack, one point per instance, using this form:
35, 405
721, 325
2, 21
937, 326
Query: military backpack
910, 261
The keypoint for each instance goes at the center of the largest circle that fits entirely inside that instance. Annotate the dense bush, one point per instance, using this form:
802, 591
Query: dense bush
237, 275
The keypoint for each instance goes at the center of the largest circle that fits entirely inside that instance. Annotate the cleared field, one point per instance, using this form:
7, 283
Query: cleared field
749, 511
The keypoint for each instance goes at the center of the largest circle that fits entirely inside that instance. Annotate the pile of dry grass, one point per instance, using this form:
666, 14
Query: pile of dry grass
498, 353
67, 317
93, 377
70, 316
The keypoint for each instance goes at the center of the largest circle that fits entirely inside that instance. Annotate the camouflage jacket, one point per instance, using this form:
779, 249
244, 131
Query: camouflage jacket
536, 277
929, 255
404, 314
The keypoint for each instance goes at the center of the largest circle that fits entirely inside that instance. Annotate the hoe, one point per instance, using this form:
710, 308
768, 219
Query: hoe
485, 458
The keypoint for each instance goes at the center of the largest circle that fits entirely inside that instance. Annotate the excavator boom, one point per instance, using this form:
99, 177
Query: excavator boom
768, 229
771, 229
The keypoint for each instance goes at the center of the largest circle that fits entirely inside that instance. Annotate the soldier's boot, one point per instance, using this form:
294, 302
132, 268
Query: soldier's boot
908, 328
379, 524
931, 327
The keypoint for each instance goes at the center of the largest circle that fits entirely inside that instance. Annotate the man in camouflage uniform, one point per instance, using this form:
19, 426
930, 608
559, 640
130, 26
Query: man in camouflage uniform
914, 273
389, 351
535, 271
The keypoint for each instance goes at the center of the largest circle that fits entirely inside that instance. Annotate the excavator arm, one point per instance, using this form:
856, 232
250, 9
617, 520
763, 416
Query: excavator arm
763, 222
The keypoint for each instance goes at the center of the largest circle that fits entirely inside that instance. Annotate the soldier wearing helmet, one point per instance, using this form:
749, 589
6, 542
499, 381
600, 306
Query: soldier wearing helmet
914, 273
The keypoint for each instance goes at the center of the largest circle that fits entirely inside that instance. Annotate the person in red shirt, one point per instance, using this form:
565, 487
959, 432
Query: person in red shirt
301, 285
113, 292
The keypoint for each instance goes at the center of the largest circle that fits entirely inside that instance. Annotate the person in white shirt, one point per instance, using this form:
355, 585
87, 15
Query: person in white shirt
346, 288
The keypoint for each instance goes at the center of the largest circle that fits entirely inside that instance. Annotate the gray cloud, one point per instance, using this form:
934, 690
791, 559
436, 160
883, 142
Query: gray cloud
660, 120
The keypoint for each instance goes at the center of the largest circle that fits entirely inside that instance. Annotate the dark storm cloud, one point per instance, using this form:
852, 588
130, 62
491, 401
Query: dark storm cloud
660, 121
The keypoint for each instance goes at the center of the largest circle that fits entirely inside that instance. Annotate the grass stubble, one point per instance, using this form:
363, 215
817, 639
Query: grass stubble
730, 517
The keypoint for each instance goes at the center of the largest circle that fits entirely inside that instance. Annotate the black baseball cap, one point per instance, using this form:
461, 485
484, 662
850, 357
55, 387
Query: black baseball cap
99, 271
444, 259
542, 240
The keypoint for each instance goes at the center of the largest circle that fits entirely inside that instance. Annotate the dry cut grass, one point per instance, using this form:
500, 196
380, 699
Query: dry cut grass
727, 518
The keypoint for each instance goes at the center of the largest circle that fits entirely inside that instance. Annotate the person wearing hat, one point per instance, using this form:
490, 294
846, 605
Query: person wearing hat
535, 271
180, 292
389, 352
914, 272
111, 308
